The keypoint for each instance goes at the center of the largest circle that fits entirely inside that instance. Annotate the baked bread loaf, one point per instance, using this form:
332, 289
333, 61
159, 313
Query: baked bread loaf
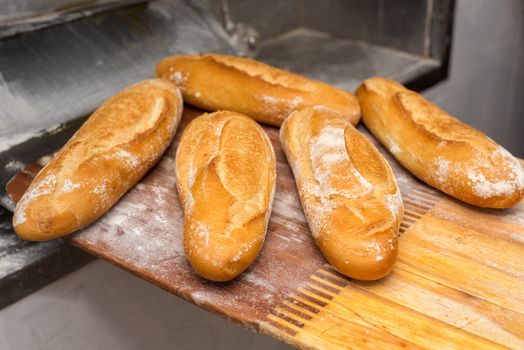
226, 173
267, 94
112, 150
348, 192
437, 148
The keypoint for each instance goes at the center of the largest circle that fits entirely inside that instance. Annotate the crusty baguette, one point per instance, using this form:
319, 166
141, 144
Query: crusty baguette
348, 191
267, 94
226, 173
437, 148
112, 150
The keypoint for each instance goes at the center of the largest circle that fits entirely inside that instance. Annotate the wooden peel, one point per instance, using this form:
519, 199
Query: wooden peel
458, 281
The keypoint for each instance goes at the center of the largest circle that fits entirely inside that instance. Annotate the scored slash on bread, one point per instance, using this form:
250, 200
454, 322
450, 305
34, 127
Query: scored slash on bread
348, 192
267, 94
437, 148
226, 177
114, 148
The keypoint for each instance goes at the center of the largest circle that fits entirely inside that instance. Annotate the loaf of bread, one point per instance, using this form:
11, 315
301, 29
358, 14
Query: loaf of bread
437, 148
112, 150
267, 94
348, 192
226, 173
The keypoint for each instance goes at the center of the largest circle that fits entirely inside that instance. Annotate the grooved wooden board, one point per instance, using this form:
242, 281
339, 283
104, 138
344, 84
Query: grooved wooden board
458, 282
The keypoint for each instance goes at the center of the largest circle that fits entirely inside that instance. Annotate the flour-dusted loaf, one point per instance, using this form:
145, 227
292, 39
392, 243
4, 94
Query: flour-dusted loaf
226, 176
437, 148
348, 192
114, 148
267, 94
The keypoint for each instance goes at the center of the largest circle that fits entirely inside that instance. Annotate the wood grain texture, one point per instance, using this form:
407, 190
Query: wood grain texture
458, 282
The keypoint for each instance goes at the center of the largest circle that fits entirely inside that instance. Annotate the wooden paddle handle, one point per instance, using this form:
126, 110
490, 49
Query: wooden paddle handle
19, 183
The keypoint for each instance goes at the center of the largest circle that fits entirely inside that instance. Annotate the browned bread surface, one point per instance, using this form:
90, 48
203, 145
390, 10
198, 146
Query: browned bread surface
112, 150
348, 191
226, 176
440, 150
267, 94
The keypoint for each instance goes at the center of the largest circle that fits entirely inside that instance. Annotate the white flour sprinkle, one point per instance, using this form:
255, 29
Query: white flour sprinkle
45, 187
179, 78
128, 157
273, 104
244, 249
135, 233
288, 205
160, 218
138, 206
316, 215
394, 202
442, 170
161, 194
259, 281
486, 189
373, 247
331, 137
391, 243
201, 230
332, 158
69, 186
327, 151
200, 297
271, 100
99, 189
514, 165
393, 147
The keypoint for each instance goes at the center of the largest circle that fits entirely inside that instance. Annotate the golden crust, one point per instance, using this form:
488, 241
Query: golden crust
348, 192
437, 148
267, 94
114, 148
226, 176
